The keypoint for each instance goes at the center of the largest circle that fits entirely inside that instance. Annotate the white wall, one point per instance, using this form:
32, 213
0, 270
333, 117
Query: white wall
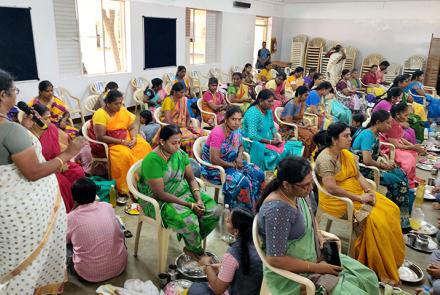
396, 30
235, 40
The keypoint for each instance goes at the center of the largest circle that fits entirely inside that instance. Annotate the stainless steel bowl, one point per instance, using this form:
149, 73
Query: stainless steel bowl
190, 268
421, 242
410, 272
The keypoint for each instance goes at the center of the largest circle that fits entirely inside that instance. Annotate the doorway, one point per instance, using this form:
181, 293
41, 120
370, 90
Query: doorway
263, 29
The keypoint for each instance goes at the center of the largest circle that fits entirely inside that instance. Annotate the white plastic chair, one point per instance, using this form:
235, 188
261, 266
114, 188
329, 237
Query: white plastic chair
90, 102
197, 151
232, 103
138, 97
139, 83
163, 234
203, 112
310, 287
258, 88
158, 114
63, 94
278, 112
97, 87
392, 147
85, 129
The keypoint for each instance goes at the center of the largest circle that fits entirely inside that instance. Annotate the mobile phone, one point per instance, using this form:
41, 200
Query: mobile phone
330, 253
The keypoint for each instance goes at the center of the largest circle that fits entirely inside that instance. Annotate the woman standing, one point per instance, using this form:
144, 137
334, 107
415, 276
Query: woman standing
59, 113
224, 147
366, 146
32, 213
294, 113
293, 241
266, 148
379, 244
166, 175
175, 110
335, 63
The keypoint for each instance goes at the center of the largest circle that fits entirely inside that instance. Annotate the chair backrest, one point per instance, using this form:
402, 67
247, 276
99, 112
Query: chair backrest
235, 69
139, 83
393, 70
202, 111
97, 87
413, 63
198, 147
90, 102
138, 96
258, 88
300, 38
157, 115
369, 60
316, 42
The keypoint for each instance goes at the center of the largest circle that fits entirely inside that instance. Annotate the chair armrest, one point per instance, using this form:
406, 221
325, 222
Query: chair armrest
372, 183
278, 136
376, 173
220, 168
333, 237
312, 117
195, 122
392, 148
247, 139
152, 201
201, 183
293, 125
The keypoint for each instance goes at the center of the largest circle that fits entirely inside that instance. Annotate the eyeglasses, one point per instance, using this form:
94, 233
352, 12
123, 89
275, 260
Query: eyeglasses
17, 91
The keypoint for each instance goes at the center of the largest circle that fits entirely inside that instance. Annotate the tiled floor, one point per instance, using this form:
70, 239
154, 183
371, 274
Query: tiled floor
144, 266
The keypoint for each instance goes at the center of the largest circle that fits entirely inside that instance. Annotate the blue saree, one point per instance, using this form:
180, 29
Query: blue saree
433, 104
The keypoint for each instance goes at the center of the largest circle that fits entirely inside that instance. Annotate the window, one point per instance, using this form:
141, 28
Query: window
102, 35
201, 30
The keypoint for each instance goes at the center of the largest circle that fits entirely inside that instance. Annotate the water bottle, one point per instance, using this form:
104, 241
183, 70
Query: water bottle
417, 218
426, 291
420, 194
113, 196
432, 131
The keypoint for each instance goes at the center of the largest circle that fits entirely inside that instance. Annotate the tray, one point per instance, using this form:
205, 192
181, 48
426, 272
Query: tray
431, 247
434, 149
190, 268
410, 272
426, 229
428, 195
426, 167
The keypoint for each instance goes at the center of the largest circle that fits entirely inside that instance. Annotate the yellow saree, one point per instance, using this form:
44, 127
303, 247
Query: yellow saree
121, 156
380, 245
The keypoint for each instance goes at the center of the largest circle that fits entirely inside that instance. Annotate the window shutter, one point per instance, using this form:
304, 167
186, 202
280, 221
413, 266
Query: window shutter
211, 36
66, 26
188, 22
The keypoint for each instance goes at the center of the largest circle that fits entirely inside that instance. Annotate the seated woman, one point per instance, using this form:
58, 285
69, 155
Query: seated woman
241, 271
184, 81
391, 97
318, 78
224, 147
308, 80
335, 111
416, 88
294, 113
59, 113
238, 92
351, 100
175, 110
109, 86
266, 149
406, 152
316, 98
293, 241
366, 146
277, 86
248, 79
166, 175
53, 142
295, 79
355, 82
115, 125
214, 102
379, 244
266, 73
370, 80
154, 96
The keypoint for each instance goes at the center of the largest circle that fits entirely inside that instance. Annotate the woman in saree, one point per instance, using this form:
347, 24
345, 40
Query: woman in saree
335, 111
318, 78
59, 113
370, 80
53, 142
32, 213
417, 89
183, 80
366, 146
266, 73
336, 57
406, 152
266, 148
355, 82
295, 79
175, 110
167, 176
293, 241
350, 98
214, 102
308, 80
294, 113
248, 79
316, 98
238, 92
224, 147
115, 125
277, 86
379, 244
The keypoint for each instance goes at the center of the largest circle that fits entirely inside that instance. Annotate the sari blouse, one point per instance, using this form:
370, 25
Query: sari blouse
56, 107
342, 84
217, 99
396, 130
369, 78
178, 110
265, 73
240, 92
228, 147
257, 126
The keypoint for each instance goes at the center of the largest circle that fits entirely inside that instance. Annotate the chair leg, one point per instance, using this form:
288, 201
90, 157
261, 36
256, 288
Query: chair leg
216, 194
350, 241
138, 235
164, 239
204, 243
264, 290
328, 225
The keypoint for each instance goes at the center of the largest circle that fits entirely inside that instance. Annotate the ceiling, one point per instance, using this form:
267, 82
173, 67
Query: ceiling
334, 1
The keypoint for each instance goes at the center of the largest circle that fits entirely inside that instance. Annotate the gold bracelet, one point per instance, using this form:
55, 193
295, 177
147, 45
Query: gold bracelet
192, 206
196, 190
61, 162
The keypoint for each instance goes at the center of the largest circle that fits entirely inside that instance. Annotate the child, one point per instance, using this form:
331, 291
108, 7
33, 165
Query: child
356, 123
97, 251
153, 96
241, 269
148, 128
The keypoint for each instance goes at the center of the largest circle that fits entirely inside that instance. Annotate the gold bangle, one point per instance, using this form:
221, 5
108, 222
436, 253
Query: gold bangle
196, 190
61, 162
192, 206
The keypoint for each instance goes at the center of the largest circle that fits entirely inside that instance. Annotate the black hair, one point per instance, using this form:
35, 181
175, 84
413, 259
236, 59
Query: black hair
323, 139
344, 72
111, 86
416, 74
180, 68
399, 79
281, 75
231, 110
6, 81
312, 70
388, 96
359, 117
147, 115
315, 77
372, 66
169, 130
156, 82
398, 108
238, 74
40, 108
212, 80
384, 63
242, 220
263, 95
84, 191
44, 85
112, 96
301, 90
176, 87
297, 70
324, 85
378, 117
355, 70
267, 63
246, 65
301, 167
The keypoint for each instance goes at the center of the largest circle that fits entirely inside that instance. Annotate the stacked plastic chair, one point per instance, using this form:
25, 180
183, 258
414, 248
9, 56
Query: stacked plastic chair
350, 54
324, 59
393, 70
298, 51
314, 51
369, 60
413, 63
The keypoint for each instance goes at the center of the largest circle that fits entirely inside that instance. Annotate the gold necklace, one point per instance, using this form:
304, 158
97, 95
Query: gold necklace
286, 198
163, 154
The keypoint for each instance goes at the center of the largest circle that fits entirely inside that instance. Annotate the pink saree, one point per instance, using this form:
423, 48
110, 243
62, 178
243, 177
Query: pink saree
50, 143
